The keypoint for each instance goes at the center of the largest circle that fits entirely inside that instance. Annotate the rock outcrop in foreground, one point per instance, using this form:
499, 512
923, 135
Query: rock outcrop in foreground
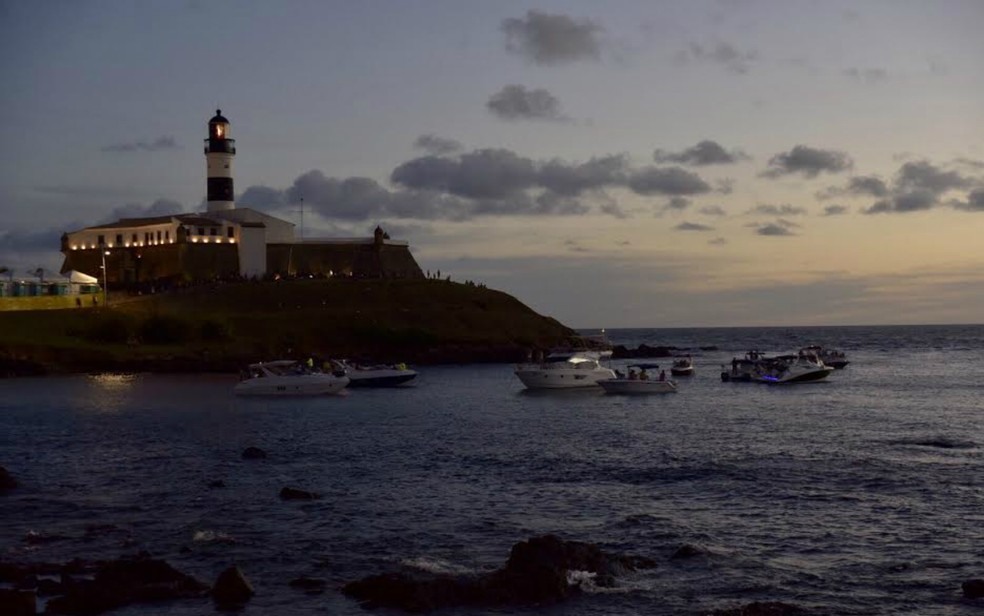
536, 573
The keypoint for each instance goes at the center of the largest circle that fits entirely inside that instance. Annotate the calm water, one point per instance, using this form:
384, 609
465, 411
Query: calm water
860, 495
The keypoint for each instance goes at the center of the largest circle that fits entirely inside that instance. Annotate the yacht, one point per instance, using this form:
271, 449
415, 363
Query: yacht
377, 375
802, 368
286, 377
566, 370
830, 357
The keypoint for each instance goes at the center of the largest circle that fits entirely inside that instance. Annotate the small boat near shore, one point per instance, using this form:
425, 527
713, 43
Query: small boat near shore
683, 366
286, 377
640, 383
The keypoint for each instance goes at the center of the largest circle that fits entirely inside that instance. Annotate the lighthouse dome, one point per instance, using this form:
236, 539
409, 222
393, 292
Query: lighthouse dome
219, 118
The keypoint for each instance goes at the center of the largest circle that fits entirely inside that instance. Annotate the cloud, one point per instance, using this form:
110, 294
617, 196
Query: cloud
515, 102
544, 38
704, 153
161, 207
31, 241
667, 181
780, 228
161, 143
834, 210
693, 226
868, 76
857, 186
807, 161
572, 179
481, 174
677, 203
778, 210
913, 201
923, 175
918, 186
432, 144
712, 210
725, 186
261, 198
723, 54
974, 202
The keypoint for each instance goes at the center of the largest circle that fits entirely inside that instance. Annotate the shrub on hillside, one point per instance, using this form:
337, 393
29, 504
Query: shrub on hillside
160, 329
213, 331
107, 329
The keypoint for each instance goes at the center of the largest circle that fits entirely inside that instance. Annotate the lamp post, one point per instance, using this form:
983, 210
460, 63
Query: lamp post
105, 276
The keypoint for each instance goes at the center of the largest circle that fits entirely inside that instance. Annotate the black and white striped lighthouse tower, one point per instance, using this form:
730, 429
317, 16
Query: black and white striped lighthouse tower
219, 152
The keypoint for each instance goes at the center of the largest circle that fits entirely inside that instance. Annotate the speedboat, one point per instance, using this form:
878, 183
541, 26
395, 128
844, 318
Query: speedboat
802, 368
377, 375
286, 377
639, 383
746, 369
682, 367
566, 370
830, 357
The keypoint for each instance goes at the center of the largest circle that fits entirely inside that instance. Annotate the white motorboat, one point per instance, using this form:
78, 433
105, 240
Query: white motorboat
683, 366
830, 357
566, 370
285, 377
377, 375
802, 368
649, 386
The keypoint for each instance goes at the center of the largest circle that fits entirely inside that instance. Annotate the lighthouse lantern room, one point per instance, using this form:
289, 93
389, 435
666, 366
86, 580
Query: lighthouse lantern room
219, 152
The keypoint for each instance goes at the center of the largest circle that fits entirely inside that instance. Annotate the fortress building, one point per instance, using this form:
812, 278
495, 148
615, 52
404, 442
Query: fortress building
224, 241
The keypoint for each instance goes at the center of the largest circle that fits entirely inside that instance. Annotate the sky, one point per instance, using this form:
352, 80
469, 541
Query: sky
611, 164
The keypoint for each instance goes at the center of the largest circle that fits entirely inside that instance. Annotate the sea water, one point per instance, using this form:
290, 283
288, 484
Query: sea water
863, 494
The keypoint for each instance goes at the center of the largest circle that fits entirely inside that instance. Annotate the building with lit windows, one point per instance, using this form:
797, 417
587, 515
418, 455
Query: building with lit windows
224, 241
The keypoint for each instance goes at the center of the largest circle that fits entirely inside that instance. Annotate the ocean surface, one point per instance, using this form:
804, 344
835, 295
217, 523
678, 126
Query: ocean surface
863, 494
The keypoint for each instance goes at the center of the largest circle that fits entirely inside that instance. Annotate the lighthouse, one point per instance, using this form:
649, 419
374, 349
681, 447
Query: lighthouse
219, 152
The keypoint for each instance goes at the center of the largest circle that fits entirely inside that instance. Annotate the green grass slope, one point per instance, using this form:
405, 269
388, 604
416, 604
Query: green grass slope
221, 327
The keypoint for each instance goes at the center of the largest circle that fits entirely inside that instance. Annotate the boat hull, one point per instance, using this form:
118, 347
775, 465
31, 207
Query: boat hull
300, 385
536, 378
380, 378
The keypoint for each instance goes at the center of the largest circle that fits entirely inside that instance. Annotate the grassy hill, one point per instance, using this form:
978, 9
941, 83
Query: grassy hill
224, 326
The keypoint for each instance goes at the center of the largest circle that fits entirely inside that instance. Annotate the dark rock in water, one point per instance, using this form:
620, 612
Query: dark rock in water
7, 481
295, 494
254, 453
766, 608
128, 580
712, 347
973, 589
232, 588
687, 551
17, 602
535, 574
35, 538
216, 483
311, 586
